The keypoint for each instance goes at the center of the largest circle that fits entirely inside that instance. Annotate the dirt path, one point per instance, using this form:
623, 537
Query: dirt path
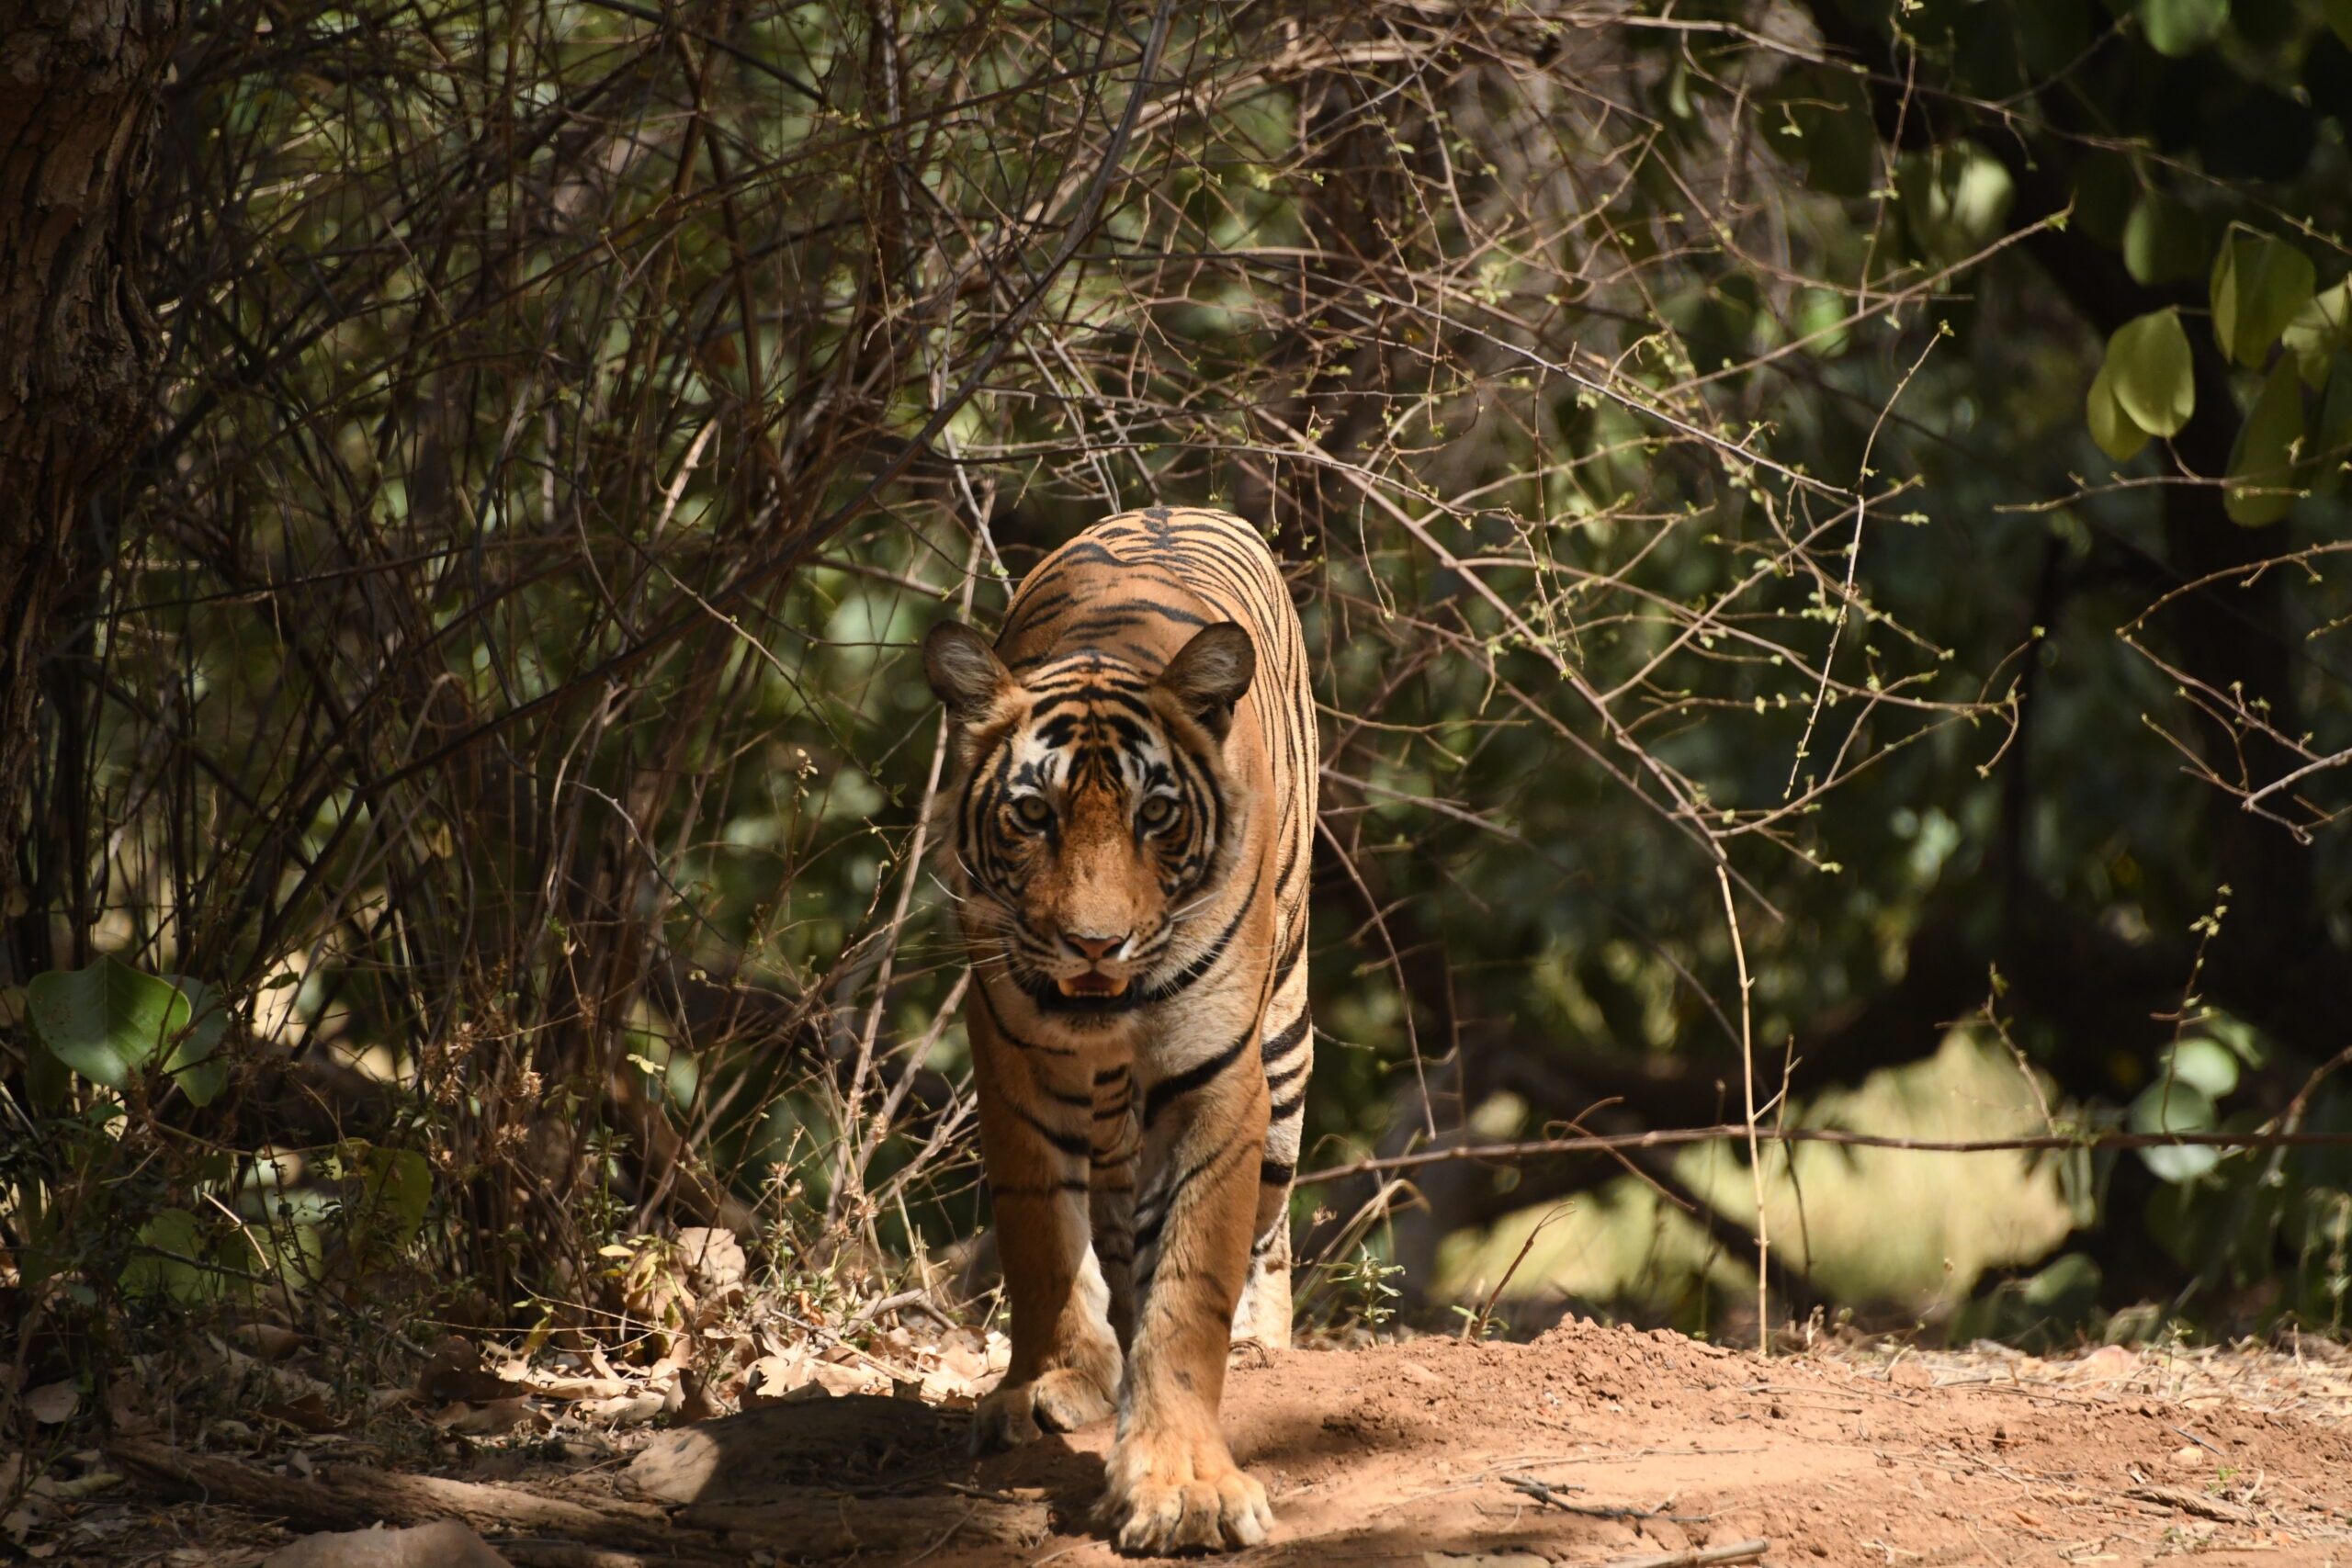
1404, 1454
1380, 1456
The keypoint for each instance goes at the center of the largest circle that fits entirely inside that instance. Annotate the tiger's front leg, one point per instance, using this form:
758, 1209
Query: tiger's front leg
1036, 1110
1170, 1482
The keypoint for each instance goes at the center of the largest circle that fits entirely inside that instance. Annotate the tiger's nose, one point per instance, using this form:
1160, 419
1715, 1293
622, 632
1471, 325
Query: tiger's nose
1095, 947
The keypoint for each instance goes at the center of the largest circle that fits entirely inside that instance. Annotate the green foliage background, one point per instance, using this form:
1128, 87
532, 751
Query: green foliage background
1870, 468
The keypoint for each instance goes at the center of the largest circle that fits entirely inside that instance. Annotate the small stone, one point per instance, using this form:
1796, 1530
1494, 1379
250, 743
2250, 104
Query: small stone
442, 1544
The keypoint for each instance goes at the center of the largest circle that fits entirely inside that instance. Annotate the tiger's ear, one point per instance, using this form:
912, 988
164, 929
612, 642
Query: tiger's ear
965, 672
1210, 674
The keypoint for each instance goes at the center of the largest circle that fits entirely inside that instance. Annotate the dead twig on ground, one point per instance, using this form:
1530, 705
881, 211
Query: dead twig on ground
1697, 1557
2196, 1502
1547, 1493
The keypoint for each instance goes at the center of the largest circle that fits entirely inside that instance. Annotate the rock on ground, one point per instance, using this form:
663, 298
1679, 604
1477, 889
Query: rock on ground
442, 1544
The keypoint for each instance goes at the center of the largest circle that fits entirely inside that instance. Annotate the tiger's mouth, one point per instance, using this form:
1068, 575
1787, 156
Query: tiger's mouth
1094, 984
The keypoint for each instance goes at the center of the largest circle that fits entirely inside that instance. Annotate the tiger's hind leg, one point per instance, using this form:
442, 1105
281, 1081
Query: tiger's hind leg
1263, 1317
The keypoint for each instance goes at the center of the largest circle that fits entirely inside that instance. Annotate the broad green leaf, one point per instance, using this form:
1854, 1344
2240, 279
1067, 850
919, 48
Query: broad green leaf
398, 1184
2175, 1107
2332, 443
172, 1247
2339, 16
106, 1021
2164, 241
2180, 27
1818, 314
2105, 189
1955, 198
2204, 1063
195, 1063
2260, 284
2150, 372
2264, 485
2321, 330
2110, 426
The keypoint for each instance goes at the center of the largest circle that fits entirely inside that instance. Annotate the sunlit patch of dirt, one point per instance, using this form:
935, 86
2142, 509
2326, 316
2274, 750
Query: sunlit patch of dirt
1590, 1444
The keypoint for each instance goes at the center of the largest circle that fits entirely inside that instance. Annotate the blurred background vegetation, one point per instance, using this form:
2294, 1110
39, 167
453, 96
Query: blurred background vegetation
1819, 525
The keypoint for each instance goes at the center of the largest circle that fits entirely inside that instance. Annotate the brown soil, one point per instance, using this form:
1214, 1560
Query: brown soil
1406, 1454
1383, 1455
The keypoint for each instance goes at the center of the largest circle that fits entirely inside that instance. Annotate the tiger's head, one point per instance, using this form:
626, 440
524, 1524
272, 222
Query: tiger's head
1094, 810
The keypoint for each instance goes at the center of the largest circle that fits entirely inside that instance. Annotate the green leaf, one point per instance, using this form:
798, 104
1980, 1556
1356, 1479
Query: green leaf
398, 1184
107, 1022
2180, 27
2339, 16
174, 1243
2104, 190
2164, 241
2149, 367
1955, 200
2264, 486
2321, 330
194, 1062
2203, 1063
2332, 445
2110, 426
2260, 284
2175, 1107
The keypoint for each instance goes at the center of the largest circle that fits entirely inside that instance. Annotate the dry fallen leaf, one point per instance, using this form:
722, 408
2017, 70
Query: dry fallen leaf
629, 1410
2107, 1363
687, 1401
310, 1413
454, 1371
83, 1486
549, 1385
772, 1377
52, 1402
487, 1418
837, 1379
268, 1340
713, 1257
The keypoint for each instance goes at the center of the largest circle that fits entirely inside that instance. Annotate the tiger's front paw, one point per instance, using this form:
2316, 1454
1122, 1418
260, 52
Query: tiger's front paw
1168, 1492
1061, 1400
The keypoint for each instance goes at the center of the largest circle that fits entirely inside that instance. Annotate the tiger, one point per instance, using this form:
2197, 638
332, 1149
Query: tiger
1125, 841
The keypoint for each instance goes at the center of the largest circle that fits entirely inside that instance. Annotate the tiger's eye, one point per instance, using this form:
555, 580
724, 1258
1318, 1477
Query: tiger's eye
1155, 810
1032, 810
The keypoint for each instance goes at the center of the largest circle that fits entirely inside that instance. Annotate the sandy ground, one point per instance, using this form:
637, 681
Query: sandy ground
1389, 1454
1408, 1454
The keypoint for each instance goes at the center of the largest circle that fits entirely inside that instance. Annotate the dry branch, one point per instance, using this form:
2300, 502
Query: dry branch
1734, 1131
2196, 1502
348, 1498
795, 1521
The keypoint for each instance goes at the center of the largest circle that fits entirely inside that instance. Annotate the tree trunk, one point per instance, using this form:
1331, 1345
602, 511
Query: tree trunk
79, 84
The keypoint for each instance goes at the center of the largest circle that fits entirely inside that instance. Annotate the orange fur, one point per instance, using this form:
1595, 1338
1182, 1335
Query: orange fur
1127, 839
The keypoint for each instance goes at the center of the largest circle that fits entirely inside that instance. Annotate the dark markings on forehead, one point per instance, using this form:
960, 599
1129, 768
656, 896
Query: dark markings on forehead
1085, 671
1089, 726
1086, 697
